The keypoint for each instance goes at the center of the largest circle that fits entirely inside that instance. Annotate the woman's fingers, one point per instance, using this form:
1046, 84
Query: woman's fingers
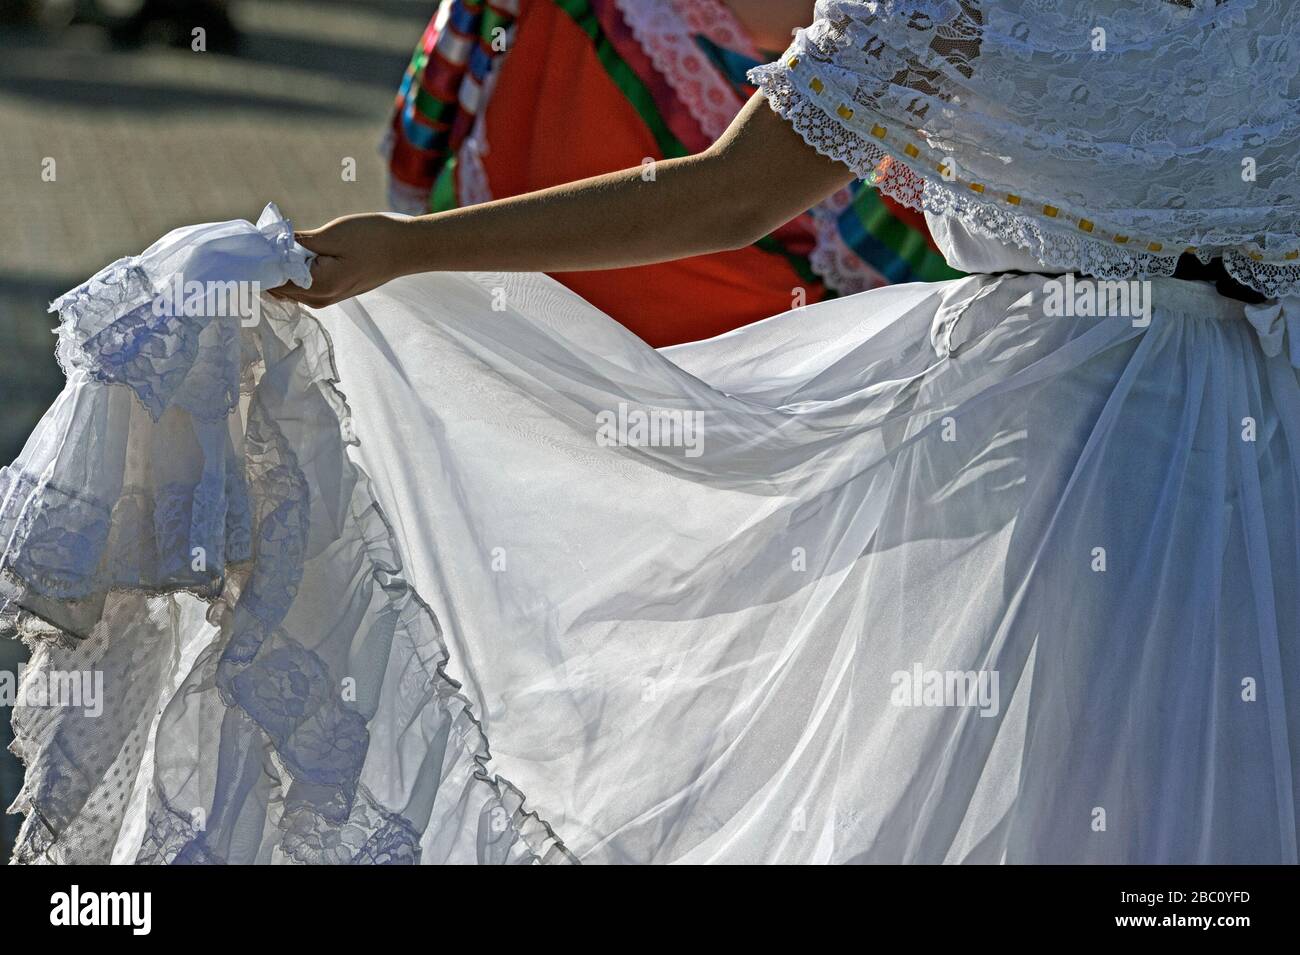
352, 255
302, 298
288, 292
325, 278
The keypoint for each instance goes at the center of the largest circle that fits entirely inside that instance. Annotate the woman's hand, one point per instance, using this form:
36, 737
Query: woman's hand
757, 176
354, 254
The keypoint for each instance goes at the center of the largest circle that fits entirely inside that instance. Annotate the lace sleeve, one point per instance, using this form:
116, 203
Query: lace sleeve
1095, 138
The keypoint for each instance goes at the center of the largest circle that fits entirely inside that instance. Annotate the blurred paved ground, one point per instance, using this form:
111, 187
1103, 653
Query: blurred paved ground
149, 139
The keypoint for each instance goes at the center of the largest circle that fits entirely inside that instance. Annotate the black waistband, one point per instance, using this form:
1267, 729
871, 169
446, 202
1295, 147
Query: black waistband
1191, 268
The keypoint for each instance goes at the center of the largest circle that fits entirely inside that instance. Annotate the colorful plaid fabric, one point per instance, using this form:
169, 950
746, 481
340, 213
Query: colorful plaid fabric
442, 90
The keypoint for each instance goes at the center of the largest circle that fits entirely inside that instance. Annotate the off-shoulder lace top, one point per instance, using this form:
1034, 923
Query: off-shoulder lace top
1105, 137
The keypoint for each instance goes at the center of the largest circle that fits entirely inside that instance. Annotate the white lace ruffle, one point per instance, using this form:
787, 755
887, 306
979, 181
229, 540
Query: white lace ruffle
301, 589
924, 87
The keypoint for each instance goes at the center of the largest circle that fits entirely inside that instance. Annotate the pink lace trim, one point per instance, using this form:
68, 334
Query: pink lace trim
832, 258
664, 28
714, 19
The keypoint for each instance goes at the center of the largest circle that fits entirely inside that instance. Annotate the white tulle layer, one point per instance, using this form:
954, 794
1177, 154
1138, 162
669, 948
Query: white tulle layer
707, 657
185, 523
694, 658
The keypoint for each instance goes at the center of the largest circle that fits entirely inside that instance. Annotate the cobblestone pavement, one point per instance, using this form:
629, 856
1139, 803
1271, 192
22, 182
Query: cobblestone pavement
147, 139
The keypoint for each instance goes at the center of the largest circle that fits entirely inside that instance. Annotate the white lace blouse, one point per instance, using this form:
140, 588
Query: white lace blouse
1106, 136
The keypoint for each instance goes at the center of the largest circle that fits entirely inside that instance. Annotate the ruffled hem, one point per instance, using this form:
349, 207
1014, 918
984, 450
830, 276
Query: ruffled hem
74, 616
534, 831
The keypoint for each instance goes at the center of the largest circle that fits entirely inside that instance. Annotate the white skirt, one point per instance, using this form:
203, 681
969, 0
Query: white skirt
919, 575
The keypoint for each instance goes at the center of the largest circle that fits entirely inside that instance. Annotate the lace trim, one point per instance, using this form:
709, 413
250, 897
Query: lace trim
108, 331
714, 19
544, 845
666, 30
897, 170
282, 686
64, 547
832, 258
471, 174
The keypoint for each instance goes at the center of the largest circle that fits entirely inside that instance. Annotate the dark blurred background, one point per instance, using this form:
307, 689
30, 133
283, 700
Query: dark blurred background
147, 134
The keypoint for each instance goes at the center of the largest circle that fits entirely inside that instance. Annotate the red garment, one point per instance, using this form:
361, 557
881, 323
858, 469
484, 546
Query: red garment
556, 116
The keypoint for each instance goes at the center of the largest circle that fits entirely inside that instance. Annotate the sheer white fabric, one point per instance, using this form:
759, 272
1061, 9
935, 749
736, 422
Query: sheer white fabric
701, 659
934, 573
973, 251
1094, 137
938, 578
186, 526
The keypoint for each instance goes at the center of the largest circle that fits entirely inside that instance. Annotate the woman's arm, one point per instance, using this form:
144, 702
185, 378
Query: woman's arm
757, 176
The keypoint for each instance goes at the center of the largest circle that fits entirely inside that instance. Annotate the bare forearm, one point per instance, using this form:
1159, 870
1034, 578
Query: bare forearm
758, 176
636, 216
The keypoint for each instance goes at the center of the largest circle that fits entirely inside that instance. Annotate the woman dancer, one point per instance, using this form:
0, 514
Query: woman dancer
998, 569
506, 98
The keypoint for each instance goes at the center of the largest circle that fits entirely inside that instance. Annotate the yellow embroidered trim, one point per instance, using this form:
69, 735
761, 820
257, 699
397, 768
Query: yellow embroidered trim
846, 112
